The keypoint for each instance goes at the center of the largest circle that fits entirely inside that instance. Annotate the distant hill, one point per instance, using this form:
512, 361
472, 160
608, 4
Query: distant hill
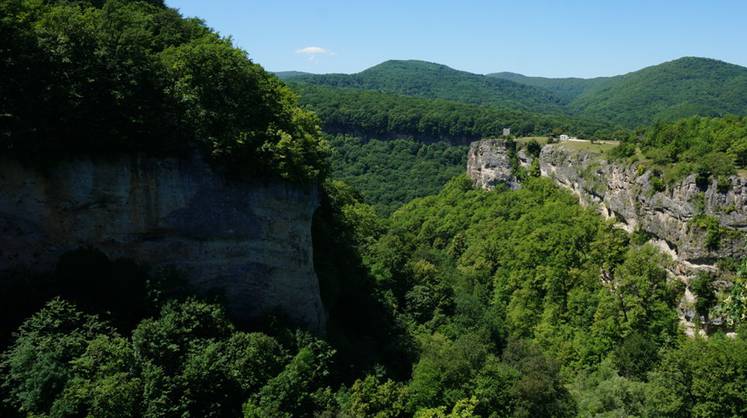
564, 88
672, 90
286, 75
429, 80
675, 89
376, 114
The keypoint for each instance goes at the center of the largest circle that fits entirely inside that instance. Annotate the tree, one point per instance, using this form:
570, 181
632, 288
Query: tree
37, 363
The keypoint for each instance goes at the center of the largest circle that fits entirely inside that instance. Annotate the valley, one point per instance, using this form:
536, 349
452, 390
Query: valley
185, 233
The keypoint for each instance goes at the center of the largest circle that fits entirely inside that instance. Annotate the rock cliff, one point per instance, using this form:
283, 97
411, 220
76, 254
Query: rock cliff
249, 241
489, 164
680, 214
696, 224
700, 223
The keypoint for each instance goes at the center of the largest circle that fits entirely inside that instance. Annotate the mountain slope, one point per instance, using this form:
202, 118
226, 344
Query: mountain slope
429, 80
375, 114
565, 88
287, 75
675, 89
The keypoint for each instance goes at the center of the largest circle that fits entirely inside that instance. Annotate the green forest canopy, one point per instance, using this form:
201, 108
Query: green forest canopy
116, 75
375, 114
705, 146
389, 174
681, 88
466, 303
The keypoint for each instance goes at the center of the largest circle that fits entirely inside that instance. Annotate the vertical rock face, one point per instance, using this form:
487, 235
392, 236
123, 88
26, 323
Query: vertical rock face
489, 164
629, 194
249, 241
696, 224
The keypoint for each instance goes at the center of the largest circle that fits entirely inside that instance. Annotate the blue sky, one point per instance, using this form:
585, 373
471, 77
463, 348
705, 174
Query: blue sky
548, 38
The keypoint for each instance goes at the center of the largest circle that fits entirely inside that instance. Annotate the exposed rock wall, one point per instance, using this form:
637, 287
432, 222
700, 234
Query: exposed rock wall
489, 164
628, 194
250, 241
694, 224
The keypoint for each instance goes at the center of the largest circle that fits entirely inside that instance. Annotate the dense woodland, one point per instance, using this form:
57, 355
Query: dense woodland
375, 114
443, 300
709, 147
430, 80
665, 92
105, 76
390, 173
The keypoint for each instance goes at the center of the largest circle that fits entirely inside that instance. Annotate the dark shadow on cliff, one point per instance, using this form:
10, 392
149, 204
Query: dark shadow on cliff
361, 326
118, 290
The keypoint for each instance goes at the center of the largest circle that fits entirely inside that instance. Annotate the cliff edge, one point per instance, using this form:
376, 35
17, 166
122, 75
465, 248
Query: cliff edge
250, 241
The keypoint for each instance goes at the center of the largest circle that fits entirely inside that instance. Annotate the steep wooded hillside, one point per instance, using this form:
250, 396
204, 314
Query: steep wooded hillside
430, 80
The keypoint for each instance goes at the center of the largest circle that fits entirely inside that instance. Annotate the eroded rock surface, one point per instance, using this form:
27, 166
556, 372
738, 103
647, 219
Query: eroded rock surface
695, 224
489, 164
249, 241
628, 194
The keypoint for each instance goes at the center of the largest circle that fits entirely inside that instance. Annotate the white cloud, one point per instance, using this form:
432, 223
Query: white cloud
313, 51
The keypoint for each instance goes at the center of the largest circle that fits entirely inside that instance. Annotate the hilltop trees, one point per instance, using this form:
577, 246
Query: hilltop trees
135, 76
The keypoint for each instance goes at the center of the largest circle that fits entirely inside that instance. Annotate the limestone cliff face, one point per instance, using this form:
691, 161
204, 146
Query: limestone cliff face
250, 241
628, 194
489, 164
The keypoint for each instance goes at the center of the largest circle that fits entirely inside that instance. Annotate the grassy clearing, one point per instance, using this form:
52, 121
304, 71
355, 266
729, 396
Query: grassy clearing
597, 147
542, 140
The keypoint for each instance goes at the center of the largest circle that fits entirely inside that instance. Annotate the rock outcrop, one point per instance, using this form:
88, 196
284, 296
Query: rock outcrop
696, 224
249, 241
489, 164
633, 196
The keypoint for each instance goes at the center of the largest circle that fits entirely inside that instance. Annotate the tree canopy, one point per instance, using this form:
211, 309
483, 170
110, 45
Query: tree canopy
93, 76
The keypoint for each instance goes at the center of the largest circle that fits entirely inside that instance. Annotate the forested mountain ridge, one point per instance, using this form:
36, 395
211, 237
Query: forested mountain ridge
286, 75
376, 114
430, 80
565, 88
684, 87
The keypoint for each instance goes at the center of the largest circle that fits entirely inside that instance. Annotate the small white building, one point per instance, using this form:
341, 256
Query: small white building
506, 132
564, 137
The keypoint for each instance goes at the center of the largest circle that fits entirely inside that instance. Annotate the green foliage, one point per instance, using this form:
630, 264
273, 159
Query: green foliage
378, 114
122, 76
390, 173
297, 389
604, 393
702, 286
702, 378
362, 325
37, 362
622, 151
712, 228
445, 370
566, 89
707, 147
376, 397
188, 361
430, 80
672, 90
